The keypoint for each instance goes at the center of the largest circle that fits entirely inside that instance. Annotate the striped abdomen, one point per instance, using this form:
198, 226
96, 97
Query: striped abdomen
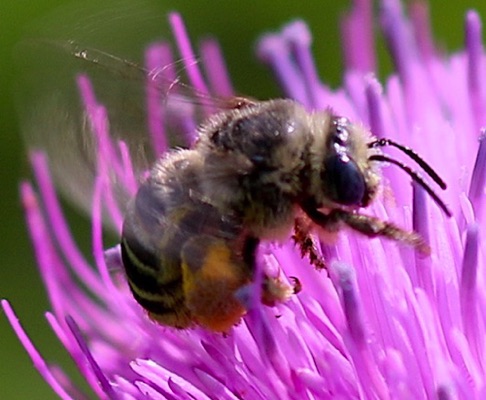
183, 261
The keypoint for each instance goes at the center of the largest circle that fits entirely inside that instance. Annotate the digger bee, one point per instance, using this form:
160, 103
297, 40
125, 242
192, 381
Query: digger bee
190, 234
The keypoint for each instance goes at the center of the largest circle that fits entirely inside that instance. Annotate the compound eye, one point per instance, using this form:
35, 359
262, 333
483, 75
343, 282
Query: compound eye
343, 180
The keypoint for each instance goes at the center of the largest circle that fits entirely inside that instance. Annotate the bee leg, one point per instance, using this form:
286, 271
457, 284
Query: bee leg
275, 291
369, 226
372, 226
302, 238
297, 284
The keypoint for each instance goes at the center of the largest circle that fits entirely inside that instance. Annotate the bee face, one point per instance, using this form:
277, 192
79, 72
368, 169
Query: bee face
347, 177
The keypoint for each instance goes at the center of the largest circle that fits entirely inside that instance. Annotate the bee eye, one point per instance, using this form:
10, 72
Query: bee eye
343, 180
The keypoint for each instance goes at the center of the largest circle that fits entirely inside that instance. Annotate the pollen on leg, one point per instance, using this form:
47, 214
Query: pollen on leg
308, 248
211, 276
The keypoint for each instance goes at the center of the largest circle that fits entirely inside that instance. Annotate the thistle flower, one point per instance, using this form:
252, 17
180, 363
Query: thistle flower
385, 323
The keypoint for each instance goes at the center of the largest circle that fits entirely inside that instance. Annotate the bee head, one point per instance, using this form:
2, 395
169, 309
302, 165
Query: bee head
346, 174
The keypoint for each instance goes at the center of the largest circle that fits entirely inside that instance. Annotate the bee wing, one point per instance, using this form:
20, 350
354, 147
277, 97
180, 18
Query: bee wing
62, 74
55, 119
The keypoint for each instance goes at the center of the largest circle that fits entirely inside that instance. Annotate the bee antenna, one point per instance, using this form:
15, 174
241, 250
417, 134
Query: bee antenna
413, 155
416, 177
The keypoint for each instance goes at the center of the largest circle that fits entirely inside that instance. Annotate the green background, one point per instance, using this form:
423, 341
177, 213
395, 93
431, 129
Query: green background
237, 25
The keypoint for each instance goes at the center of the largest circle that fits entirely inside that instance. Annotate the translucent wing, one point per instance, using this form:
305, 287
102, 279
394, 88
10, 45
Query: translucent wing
69, 81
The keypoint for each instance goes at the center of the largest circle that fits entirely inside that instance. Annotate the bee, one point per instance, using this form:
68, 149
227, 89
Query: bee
190, 235
259, 170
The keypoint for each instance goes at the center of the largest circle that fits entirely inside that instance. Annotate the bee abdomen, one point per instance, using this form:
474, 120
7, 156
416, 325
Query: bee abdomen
164, 301
162, 296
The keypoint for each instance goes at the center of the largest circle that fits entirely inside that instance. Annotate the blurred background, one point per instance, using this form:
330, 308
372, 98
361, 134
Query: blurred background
237, 25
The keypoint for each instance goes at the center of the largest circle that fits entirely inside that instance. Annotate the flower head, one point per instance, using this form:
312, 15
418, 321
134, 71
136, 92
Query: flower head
385, 323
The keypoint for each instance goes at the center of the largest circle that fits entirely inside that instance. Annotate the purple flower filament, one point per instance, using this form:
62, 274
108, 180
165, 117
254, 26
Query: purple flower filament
385, 323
